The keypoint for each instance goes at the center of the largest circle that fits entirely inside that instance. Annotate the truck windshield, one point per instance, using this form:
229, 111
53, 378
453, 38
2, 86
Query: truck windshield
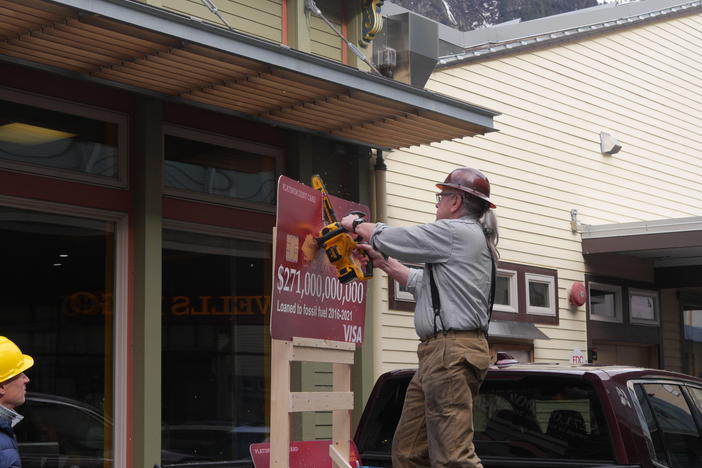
541, 417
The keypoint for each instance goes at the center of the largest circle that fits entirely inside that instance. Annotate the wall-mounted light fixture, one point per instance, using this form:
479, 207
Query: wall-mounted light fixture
609, 144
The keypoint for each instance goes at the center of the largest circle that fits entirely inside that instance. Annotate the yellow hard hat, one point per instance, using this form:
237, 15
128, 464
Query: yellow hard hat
12, 361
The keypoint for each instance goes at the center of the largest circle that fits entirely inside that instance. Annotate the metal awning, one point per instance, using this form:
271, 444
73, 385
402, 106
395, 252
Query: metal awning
515, 330
146, 49
666, 242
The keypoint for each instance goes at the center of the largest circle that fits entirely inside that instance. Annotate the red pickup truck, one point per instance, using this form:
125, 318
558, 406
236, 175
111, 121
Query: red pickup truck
562, 416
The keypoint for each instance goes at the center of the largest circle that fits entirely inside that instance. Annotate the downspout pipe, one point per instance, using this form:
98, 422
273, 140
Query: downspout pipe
380, 176
380, 205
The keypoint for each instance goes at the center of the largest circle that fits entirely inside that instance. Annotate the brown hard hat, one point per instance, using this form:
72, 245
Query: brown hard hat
469, 180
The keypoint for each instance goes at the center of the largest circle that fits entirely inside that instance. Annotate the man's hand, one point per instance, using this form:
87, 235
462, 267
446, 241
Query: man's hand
377, 258
347, 221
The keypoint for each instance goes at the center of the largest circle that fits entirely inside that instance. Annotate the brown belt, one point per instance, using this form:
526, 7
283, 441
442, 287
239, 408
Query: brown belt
477, 333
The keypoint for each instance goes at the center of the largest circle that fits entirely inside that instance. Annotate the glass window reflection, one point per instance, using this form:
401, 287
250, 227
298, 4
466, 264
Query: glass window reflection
218, 170
43, 137
58, 307
216, 345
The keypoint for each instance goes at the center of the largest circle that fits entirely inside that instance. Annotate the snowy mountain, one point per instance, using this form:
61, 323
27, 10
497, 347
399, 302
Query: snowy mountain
465, 15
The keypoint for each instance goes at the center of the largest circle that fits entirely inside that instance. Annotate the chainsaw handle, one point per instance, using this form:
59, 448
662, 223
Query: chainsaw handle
368, 272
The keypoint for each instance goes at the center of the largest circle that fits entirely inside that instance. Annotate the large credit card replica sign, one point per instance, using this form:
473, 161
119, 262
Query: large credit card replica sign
308, 301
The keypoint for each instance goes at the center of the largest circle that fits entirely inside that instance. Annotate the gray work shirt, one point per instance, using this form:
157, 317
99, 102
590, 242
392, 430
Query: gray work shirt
462, 265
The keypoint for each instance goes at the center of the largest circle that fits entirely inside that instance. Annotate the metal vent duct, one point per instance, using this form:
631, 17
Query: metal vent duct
415, 40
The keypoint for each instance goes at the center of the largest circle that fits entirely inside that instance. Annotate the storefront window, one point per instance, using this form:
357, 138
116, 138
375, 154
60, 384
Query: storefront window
57, 306
36, 135
213, 167
216, 345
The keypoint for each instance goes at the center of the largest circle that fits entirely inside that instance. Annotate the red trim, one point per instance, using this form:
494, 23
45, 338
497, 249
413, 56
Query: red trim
284, 23
62, 191
223, 216
209, 121
50, 85
345, 33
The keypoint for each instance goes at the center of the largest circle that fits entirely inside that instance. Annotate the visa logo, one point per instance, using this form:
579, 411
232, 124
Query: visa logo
353, 333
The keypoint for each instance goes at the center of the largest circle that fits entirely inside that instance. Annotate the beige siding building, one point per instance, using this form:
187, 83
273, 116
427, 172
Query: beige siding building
631, 71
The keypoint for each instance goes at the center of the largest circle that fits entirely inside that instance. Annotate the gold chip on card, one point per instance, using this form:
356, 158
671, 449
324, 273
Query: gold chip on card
292, 248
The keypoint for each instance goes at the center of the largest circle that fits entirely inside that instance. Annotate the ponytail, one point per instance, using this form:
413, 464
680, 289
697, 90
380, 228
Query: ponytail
489, 223
478, 208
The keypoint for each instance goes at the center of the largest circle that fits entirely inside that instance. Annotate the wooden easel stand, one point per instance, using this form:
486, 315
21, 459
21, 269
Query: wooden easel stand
284, 402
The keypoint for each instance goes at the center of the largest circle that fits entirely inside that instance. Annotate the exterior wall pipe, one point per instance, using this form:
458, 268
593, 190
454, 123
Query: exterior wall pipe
380, 206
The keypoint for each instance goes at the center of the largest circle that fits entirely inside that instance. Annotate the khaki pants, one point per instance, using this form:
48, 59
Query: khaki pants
436, 426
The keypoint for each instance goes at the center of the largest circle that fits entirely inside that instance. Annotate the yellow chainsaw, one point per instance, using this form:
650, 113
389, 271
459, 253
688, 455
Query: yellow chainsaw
338, 243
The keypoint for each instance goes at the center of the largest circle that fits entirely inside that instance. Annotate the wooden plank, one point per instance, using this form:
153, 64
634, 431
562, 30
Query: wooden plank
211, 64
316, 355
23, 18
95, 38
385, 108
364, 133
303, 117
338, 105
359, 134
61, 37
205, 52
47, 9
291, 121
104, 35
14, 28
150, 80
377, 101
392, 126
120, 76
207, 97
280, 403
341, 419
320, 401
313, 111
338, 460
136, 34
254, 83
296, 89
234, 96
70, 50
312, 84
185, 77
255, 100
200, 67
21, 51
144, 69
25, 41
448, 122
329, 111
323, 344
182, 66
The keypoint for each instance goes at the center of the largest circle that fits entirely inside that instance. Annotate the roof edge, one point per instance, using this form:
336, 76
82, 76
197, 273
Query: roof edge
543, 31
185, 28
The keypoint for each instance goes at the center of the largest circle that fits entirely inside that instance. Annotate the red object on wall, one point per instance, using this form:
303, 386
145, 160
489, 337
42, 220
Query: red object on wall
578, 294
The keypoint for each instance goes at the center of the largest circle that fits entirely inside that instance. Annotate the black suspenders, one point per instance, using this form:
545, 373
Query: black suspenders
436, 301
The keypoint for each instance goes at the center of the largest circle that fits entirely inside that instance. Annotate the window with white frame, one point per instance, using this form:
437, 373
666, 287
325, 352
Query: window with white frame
540, 293
605, 302
522, 292
506, 293
643, 306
